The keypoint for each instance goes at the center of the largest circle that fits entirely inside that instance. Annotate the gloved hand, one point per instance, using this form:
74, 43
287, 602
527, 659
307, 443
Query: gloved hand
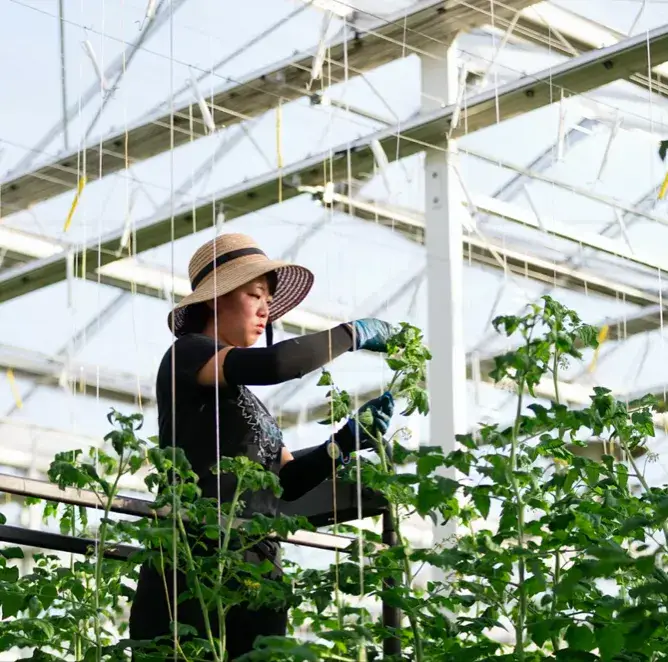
371, 418
371, 334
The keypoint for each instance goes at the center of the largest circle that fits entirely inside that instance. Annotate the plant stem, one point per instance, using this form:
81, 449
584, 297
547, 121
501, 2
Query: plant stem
555, 380
198, 588
394, 380
522, 608
394, 517
642, 480
226, 543
168, 602
100, 556
557, 555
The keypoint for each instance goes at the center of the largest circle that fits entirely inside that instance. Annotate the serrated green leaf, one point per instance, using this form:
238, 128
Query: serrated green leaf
12, 553
325, 379
481, 500
11, 603
610, 641
580, 638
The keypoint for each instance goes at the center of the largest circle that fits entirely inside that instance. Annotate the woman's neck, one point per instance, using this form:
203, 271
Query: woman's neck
210, 330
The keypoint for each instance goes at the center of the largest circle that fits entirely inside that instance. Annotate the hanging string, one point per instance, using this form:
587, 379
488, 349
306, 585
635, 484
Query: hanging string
279, 147
128, 240
663, 346
326, 82
217, 374
82, 182
175, 601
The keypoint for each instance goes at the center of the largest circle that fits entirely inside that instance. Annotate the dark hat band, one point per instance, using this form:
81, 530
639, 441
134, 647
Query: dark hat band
223, 259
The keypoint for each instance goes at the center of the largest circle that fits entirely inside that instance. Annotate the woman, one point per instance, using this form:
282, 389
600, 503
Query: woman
205, 407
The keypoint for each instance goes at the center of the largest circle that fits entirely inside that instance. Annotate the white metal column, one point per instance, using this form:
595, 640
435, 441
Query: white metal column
444, 213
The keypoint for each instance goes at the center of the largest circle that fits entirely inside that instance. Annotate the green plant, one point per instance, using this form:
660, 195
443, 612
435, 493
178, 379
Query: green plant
74, 610
562, 523
562, 554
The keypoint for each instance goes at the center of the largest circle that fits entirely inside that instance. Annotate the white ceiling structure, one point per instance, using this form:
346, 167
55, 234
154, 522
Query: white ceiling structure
558, 157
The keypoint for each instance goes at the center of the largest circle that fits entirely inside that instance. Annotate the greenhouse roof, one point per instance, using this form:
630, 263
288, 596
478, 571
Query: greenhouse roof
558, 171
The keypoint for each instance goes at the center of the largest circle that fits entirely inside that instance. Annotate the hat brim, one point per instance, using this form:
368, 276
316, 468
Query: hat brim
293, 283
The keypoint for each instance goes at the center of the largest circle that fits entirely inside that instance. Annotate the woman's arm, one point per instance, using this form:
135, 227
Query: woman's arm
301, 475
279, 363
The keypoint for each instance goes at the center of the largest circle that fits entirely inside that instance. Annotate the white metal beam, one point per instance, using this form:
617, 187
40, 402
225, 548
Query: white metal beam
527, 218
543, 21
130, 274
443, 221
411, 136
411, 223
141, 507
115, 71
74, 344
625, 208
54, 371
544, 161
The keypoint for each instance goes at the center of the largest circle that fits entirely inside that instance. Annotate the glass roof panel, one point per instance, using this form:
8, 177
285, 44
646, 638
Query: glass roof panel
625, 16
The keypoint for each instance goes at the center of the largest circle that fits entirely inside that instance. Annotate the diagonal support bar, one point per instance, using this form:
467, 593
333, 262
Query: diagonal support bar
363, 49
578, 75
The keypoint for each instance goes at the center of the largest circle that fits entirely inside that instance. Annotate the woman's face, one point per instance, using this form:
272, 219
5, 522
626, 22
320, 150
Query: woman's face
243, 313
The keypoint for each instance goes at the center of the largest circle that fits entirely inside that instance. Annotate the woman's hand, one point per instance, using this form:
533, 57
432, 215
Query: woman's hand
371, 334
371, 419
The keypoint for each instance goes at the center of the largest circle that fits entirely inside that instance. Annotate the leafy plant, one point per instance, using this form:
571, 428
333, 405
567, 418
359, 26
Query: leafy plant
559, 554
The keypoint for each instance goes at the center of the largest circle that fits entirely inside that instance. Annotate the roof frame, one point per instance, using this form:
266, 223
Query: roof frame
364, 48
578, 75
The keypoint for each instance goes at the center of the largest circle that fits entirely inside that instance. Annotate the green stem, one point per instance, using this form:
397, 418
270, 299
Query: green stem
100, 556
168, 602
642, 481
394, 380
394, 517
555, 380
522, 608
557, 557
226, 543
198, 588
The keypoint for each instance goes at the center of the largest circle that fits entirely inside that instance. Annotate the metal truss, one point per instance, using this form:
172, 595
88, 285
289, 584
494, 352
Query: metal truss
142, 508
363, 49
115, 71
570, 34
578, 75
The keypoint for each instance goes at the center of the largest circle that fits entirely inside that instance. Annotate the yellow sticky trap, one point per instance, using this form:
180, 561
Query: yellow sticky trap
14, 388
602, 336
75, 202
664, 187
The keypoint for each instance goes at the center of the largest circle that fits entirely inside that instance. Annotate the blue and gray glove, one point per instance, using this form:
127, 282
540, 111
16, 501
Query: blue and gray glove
371, 334
371, 419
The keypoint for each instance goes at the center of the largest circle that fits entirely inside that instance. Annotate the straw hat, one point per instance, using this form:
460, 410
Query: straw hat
231, 260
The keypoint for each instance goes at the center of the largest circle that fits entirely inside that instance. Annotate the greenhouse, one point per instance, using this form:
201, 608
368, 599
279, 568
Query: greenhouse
333, 330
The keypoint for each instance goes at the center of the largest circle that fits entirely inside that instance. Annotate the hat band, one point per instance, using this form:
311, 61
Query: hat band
223, 259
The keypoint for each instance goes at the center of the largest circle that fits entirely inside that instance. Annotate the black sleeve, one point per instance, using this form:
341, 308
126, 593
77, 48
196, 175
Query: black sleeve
286, 360
191, 354
304, 473
307, 471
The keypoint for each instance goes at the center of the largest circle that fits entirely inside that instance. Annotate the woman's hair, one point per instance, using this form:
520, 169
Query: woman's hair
197, 315
196, 318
